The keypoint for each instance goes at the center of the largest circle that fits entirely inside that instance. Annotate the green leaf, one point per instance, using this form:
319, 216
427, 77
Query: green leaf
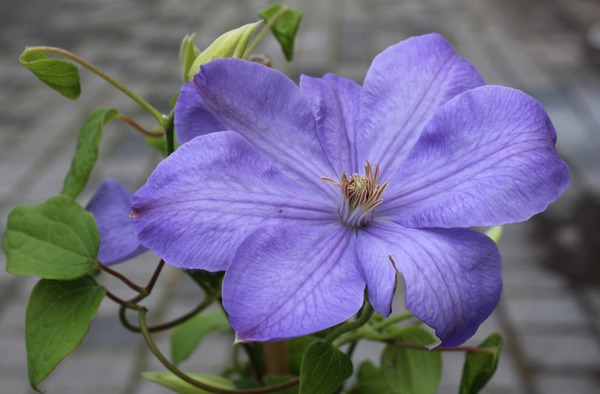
57, 319
480, 367
57, 239
231, 44
187, 337
285, 27
172, 382
188, 52
412, 371
296, 348
324, 368
60, 75
370, 380
86, 151
495, 233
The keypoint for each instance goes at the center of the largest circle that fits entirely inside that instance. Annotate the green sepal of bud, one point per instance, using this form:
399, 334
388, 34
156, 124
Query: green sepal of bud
188, 52
231, 44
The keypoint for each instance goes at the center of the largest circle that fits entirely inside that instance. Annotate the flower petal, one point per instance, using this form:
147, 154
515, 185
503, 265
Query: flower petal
202, 201
453, 276
486, 158
262, 105
111, 206
335, 103
406, 84
380, 276
287, 281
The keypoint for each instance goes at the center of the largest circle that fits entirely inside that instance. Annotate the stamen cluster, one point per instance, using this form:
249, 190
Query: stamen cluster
360, 194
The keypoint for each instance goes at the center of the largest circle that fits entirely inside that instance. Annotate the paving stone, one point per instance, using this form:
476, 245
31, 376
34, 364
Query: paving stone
557, 384
546, 314
561, 351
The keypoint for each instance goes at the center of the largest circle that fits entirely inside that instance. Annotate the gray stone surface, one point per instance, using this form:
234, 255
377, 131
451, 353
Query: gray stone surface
550, 319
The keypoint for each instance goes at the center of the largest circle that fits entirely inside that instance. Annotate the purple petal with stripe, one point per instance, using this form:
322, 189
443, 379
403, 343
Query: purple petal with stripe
288, 281
453, 276
201, 202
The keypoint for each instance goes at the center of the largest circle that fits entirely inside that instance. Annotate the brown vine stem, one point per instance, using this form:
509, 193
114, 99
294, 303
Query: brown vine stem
135, 125
201, 385
124, 304
172, 323
121, 277
155, 276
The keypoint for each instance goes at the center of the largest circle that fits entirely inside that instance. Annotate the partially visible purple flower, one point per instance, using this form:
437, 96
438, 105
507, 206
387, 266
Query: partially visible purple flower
307, 195
111, 207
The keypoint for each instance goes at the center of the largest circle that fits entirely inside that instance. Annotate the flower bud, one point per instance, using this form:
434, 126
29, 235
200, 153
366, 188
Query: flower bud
188, 52
231, 44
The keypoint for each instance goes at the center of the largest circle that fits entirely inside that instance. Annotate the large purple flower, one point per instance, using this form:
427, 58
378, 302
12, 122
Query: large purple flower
307, 195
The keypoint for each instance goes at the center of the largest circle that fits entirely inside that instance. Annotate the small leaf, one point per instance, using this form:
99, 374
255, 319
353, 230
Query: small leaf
60, 75
495, 233
54, 240
86, 151
231, 44
370, 380
324, 368
188, 336
57, 319
412, 371
174, 383
480, 367
285, 27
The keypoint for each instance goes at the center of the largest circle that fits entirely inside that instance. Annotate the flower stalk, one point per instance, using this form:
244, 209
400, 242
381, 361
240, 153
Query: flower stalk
160, 118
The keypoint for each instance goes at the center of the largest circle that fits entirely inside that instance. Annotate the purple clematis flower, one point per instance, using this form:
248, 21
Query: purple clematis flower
111, 206
306, 195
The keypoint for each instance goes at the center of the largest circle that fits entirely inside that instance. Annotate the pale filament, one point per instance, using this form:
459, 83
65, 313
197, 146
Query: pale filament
360, 194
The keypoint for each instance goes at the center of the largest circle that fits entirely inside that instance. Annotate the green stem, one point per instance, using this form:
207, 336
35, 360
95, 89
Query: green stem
391, 321
410, 345
377, 326
142, 103
263, 32
169, 126
365, 316
255, 363
203, 386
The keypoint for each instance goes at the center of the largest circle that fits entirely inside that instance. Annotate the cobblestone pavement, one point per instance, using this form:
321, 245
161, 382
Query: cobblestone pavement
550, 309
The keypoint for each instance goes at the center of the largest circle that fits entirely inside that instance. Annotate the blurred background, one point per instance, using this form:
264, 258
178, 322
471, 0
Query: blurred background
549, 313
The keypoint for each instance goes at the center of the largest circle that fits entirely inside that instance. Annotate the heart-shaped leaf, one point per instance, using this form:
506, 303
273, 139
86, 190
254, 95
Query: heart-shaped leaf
324, 368
57, 239
57, 319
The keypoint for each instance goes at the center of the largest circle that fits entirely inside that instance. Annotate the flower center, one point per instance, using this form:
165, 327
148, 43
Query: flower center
359, 195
